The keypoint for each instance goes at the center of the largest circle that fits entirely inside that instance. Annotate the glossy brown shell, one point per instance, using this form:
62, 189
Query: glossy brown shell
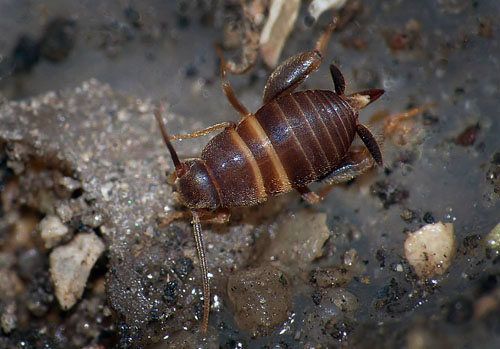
291, 141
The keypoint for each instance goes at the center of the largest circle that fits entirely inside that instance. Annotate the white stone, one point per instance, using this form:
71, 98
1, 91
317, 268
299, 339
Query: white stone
64, 212
52, 230
70, 267
298, 239
317, 7
430, 249
279, 24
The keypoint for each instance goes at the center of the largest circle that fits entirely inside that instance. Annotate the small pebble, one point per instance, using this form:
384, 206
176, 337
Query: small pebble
280, 22
64, 212
408, 215
428, 218
430, 249
343, 299
69, 183
8, 318
299, 239
52, 230
70, 267
317, 7
261, 299
93, 219
493, 240
332, 276
468, 136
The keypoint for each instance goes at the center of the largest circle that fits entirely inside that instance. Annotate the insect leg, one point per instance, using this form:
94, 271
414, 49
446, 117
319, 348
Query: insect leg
220, 216
174, 216
292, 72
311, 197
226, 86
354, 164
204, 132
308, 195
325, 37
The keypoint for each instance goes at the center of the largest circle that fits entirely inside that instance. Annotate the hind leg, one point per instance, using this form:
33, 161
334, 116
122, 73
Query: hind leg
292, 72
355, 163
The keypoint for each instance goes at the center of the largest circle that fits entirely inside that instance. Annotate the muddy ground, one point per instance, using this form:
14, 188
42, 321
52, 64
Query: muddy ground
86, 259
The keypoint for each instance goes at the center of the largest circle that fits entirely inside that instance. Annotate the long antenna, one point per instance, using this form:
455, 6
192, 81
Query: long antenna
198, 237
200, 248
179, 169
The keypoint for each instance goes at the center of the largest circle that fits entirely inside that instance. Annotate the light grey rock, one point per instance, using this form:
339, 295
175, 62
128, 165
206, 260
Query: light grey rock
70, 267
52, 230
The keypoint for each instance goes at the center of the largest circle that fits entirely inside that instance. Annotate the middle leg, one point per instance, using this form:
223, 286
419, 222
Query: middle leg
226, 86
308, 195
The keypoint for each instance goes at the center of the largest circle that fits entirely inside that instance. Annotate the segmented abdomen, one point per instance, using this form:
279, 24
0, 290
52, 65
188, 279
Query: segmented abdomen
289, 142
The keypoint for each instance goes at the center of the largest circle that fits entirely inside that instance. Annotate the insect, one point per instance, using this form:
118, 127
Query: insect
294, 139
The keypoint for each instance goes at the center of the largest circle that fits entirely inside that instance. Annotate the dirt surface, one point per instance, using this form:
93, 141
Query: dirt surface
80, 149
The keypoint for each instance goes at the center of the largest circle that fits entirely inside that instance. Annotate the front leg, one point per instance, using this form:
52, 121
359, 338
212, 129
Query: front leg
204, 132
220, 216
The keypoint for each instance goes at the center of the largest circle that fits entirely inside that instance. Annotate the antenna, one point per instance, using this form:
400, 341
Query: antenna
200, 249
179, 168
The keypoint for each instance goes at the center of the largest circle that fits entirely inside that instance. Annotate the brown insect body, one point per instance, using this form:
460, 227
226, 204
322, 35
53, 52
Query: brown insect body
290, 142
294, 139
